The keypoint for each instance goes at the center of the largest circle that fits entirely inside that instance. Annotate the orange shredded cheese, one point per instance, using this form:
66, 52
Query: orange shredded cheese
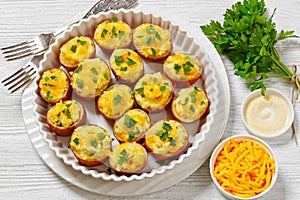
244, 168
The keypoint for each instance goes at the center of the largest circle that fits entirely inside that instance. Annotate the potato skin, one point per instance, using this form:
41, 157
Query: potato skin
67, 131
65, 97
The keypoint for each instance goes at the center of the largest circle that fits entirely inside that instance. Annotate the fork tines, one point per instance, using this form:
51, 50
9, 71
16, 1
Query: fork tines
19, 79
20, 50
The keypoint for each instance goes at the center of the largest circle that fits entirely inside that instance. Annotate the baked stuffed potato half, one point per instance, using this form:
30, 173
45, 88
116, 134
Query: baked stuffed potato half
131, 127
54, 86
166, 139
90, 78
128, 158
90, 144
113, 34
75, 51
153, 92
182, 69
126, 65
115, 101
152, 41
65, 116
190, 104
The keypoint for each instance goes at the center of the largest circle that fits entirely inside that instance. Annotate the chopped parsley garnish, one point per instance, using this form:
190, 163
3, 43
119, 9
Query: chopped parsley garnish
68, 105
117, 99
167, 126
140, 90
150, 29
73, 48
186, 100
104, 31
101, 136
94, 79
76, 141
177, 68
106, 76
157, 36
81, 42
153, 53
121, 34
119, 60
124, 69
94, 143
79, 83
53, 77
123, 157
46, 79
78, 69
113, 32
112, 20
48, 96
155, 80
193, 97
129, 122
131, 135
162, 88
130, 62
58, 114
94, 70
186, 69
192, 108
172, 141
149, 40
67, 112
202, 102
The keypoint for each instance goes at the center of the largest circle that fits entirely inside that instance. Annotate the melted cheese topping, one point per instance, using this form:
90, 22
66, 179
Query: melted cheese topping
115, 101
132, 126
128, 157
152, 41
153, 91
90, 142
113, 34
54, 85
190, 104
127, 65
65, 114
91, 77
166, 137
182, 67
76, 50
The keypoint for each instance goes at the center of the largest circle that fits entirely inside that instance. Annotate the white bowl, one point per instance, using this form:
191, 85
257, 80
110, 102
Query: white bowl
288, 120
218, 149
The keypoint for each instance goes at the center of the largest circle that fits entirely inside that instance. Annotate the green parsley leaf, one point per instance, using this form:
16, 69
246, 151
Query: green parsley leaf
153, 53
79, 83
81, 42
192, 108
130, 62
95, 79
177, 68
186, 100
104, 32
248, 39
53, 77
94, 70
117, 99
149, 40
94, 143
123, 158
78, 69
150, 29
121, 34
162, 88
48, 96
157, 36
106, 76
131, 135
167, 126
76, 141
101, 136
119, 60
129, 122
112, 20
73, 48
124, 69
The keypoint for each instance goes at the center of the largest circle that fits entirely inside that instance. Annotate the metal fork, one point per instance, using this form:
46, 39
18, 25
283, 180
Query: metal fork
41, 42
24, 76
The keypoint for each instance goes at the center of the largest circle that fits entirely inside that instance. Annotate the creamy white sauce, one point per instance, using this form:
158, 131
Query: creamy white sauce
266, 114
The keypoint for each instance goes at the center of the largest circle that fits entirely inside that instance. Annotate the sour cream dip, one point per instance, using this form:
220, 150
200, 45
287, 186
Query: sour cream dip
269, 115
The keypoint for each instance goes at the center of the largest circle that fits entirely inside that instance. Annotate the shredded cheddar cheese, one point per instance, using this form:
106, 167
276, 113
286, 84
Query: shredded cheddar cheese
244, 168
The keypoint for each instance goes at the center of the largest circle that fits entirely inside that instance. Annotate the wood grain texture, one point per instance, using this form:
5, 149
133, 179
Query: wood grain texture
23, 174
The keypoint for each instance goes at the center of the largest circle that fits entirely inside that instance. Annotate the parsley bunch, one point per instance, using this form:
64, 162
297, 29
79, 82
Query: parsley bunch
248, 39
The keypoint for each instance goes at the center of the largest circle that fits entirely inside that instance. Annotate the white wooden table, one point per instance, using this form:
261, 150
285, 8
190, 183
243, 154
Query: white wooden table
24, 175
